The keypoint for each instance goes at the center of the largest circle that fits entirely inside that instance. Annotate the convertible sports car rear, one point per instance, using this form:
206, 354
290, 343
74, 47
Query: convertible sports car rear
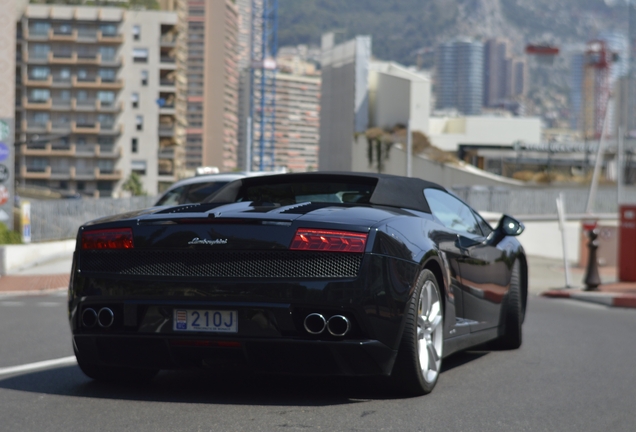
336, 274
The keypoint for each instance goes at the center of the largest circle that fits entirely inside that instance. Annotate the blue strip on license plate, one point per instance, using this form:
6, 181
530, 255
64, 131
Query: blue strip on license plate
220, 321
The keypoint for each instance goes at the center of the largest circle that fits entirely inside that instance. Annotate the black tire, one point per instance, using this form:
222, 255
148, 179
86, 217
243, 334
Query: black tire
408, 376
122, 375
513, 314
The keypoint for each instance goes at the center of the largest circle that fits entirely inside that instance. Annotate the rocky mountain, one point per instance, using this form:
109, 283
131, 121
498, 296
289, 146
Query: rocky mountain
402, 28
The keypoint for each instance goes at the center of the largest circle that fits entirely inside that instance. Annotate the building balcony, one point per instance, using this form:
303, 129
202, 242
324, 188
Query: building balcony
107, 174
84, 104
35, 57
35, 173
96, 82
33, 126
89, 58
108, 152
166, 130
60, 173
36, 104
85, 128
36, 82
110, 106
110, 38
62, 104
62, 57
56, 35
60, 127
83, 173
113, 61
87, 35
165, 82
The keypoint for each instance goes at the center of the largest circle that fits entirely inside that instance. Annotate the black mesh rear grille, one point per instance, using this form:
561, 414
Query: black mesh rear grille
222, 264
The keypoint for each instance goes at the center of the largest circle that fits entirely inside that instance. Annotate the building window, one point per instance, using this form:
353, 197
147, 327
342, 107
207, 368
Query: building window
138, 166
140, 122
39, 95
134, 145
140, 55
134, 99
106, 98
108, 29
107, 75
39, 73
107, 53
136, 32
144, 77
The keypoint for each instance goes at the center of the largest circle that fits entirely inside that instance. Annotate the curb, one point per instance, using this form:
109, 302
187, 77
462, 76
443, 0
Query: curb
31, 292
604, 298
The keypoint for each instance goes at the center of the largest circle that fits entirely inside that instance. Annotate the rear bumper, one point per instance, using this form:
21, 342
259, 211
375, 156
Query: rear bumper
281, 356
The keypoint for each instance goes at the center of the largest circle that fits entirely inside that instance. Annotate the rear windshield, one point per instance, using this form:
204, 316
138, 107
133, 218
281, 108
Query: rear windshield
292, 193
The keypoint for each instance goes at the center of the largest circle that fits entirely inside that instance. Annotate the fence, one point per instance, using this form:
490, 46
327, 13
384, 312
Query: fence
539, 201
60, 219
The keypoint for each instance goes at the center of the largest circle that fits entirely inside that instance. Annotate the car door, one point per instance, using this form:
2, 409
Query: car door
479, 279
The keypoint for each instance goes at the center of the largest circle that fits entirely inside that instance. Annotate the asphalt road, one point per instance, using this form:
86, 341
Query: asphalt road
575, 371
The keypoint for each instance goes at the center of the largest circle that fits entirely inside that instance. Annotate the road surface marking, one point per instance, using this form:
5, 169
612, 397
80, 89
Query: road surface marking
38, 365
49, 304
12, 303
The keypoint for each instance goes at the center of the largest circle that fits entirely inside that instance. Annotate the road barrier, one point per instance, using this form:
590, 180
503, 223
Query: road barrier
60, 219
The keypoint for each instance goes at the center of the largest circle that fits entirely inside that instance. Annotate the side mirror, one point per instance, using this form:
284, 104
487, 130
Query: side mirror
507, 226
510, 226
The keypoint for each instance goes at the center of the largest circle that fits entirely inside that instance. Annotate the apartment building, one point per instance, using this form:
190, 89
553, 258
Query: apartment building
212, 84
459, 76
297, 122
95, 98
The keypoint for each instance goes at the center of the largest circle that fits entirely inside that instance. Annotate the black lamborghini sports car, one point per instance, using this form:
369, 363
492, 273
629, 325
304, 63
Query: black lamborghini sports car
312, 273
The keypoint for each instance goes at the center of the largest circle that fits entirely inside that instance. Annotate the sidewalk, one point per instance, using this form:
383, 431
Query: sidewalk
547, 278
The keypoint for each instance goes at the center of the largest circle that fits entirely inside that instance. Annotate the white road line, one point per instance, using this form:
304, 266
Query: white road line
49, 304
38, 365
11, 303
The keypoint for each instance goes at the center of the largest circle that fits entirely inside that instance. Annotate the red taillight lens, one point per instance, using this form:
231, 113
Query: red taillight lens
328, 241
118, 238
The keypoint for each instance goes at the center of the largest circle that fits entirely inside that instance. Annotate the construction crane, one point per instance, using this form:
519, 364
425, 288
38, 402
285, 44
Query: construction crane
596, 87
264, 47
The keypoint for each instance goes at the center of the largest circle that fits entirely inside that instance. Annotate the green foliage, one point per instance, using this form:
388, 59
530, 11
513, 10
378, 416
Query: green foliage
133, 185
9, 237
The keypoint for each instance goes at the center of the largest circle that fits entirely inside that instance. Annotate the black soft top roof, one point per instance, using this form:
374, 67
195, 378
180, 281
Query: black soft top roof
390, 190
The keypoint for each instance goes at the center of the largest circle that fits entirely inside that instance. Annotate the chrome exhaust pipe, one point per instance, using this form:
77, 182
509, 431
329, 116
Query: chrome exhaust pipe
105, 317
315, 323
338, 325
89, 318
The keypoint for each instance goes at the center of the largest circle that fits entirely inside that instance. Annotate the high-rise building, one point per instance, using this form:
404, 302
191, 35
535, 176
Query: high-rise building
495, 71
96, 98
577, 62
459, 76
212, 84
297, 122
504, 75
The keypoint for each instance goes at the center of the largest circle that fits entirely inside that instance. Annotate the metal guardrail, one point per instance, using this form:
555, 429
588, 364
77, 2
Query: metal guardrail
539, 201
60, 219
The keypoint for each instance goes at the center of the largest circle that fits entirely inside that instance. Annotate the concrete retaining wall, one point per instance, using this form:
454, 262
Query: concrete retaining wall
17, 257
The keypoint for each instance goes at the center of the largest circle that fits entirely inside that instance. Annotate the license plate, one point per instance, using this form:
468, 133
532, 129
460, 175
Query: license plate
220, 321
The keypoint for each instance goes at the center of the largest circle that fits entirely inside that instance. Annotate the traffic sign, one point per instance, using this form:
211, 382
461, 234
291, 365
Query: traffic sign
4, 151
4, 195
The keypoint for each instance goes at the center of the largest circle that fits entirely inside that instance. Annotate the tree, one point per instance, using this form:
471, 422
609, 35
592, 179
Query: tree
133, 185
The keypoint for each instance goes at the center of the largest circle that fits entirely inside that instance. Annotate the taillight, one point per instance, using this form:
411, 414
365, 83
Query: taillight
118, 238
328, 240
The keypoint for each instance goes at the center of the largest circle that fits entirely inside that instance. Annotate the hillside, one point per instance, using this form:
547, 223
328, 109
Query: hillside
400, 28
